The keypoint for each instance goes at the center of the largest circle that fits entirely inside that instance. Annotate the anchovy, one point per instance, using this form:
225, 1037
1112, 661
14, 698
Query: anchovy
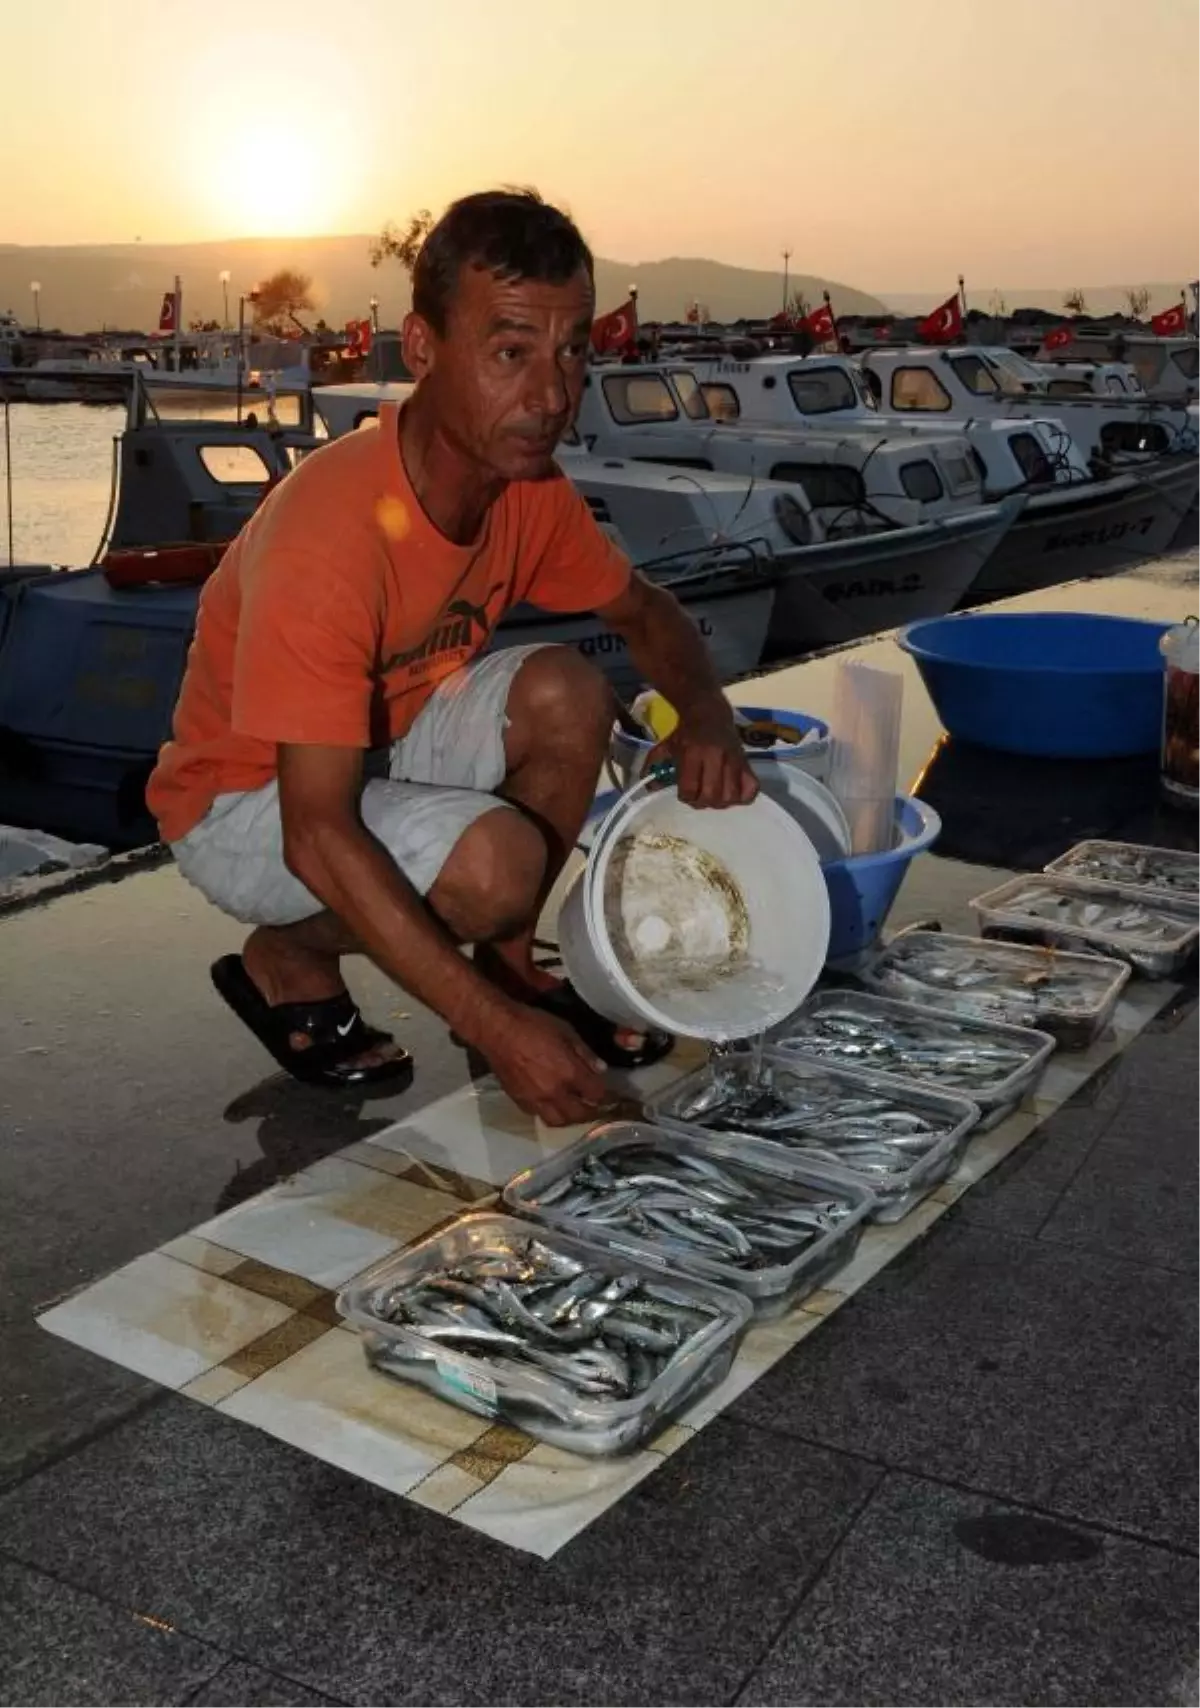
531, 1306
700, 1207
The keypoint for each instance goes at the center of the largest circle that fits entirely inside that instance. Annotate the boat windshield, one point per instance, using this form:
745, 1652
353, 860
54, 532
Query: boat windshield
1014, 373
823, 391
690, 395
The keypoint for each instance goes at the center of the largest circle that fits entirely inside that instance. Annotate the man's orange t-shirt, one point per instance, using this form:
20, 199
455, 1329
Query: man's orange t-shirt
340, 607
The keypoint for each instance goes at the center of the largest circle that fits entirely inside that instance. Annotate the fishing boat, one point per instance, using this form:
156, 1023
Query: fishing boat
92, 658
844, 569
1084, 516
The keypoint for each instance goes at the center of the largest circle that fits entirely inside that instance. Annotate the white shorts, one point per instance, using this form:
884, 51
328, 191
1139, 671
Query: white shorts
440, 779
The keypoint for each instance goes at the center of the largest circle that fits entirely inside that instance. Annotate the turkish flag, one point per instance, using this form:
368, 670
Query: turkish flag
820, 323
781, 322
944, 325
1171, 320
1057, 338
166, 314
615, 331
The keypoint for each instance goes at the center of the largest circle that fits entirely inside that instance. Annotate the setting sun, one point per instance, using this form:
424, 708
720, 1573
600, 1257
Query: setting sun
267, 179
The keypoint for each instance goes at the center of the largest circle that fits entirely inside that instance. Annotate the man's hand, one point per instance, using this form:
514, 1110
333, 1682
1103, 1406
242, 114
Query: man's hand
710, 760
669, 652
546, 1068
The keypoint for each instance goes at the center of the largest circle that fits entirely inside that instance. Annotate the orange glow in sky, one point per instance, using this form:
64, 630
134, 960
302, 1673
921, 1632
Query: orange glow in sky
890, 143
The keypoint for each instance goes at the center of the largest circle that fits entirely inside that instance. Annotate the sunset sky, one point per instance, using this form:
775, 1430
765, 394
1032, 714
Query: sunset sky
888, 143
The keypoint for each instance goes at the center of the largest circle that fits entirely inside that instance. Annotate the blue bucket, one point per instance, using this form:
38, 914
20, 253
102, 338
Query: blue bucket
863, 887
1049, 684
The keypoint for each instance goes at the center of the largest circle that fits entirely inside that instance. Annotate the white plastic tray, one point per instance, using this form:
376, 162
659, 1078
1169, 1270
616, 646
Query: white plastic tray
1170, 872
794, 1078
536, 1400
771, 1289
1012, 982
938, 1030
1025, 909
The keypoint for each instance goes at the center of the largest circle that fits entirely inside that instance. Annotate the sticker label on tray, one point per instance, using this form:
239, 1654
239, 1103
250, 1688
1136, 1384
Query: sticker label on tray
479, 1387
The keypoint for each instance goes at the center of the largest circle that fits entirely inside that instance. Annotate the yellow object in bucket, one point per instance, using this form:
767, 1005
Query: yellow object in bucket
655, 714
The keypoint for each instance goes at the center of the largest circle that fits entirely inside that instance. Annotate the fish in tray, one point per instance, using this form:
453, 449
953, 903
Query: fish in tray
992, 980
695, 1204
1129, 863
1089, 914
871, 1132
927, 1047
527, 1305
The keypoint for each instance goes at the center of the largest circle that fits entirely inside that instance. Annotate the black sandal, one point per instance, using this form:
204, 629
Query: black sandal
336, 1027
599, 1034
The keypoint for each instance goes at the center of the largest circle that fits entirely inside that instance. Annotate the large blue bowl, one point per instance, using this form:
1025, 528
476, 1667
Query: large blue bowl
1052, 684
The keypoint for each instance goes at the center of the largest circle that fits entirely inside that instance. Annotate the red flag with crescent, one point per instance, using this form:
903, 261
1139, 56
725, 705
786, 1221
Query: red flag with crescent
944, 325
1055, 340
1171, 320
821, 324
615, 331
166, 314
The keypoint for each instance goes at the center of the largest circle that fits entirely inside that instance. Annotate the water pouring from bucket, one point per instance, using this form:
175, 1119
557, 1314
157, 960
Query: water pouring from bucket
707, 924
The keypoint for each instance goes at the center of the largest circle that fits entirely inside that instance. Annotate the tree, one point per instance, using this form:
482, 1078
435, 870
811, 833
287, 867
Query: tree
280, 299
402, 242
1075, 301
797, 307
1138, 298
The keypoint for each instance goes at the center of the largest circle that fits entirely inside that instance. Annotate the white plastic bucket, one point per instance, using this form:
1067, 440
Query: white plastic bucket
706, 924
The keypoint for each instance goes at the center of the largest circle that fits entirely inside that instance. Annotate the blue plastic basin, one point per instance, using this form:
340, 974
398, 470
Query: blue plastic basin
863, 887
1053, 684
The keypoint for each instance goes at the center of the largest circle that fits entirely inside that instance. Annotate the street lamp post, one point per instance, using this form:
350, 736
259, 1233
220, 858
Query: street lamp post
36, 288
787, 255
224, 276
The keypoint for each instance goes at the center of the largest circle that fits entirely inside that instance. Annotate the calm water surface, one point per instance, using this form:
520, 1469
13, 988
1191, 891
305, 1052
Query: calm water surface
62, 456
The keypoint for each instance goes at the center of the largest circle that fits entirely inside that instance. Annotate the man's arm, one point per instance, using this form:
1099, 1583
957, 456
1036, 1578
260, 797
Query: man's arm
541, 1064
670, 653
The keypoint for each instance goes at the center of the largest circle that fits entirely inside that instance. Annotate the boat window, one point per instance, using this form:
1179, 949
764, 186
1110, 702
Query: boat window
921, 481
691, 396
722, 402
918, 388
1138, 436
1114, 382
1068, 388
826, 484
874, 385
234, 465
1035, 465
639, 397
571, 436
975, 375
822, 392
1187, 361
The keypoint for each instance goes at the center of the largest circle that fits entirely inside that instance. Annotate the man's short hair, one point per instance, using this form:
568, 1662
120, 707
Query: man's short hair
512, 234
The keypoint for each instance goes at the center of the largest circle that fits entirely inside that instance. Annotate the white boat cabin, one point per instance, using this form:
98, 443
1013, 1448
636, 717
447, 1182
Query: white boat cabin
856, 483
832, 392
1166, 367
968, 381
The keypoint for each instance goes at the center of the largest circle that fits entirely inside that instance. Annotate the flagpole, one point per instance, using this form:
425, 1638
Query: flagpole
178, 321
962, 293
833, 317
787, 255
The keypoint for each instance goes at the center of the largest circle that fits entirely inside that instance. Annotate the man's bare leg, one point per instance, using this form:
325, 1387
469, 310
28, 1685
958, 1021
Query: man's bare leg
560, 715
488, 886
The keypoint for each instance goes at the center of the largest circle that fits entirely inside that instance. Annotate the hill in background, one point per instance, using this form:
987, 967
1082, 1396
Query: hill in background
1101, 299
121, 285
